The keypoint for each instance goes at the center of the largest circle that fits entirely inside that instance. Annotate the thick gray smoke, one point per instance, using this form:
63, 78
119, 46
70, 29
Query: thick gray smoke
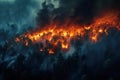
19, 12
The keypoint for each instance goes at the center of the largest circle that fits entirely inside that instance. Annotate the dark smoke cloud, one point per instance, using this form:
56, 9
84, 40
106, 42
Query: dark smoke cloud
19, 12
83, 9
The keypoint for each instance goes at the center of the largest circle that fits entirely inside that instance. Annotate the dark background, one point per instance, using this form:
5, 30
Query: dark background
85, 61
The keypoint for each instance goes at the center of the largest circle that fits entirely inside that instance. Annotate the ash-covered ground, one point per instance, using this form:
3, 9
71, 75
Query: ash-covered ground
84, 60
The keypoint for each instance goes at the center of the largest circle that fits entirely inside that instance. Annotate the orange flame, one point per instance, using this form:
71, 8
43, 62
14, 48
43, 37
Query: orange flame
62, 35
50, 51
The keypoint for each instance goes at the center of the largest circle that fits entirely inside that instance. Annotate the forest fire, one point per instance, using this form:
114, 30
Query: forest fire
53, 36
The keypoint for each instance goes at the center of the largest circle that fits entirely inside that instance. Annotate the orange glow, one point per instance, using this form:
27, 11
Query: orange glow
100, 31
65, 46
57, 35
87, 28
41, 49
17, 39
94, 38
50, 51
26, 43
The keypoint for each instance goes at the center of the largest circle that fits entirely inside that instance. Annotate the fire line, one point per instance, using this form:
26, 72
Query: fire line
62, 35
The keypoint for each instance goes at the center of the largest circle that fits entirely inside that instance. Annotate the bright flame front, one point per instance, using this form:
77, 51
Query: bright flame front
53, 36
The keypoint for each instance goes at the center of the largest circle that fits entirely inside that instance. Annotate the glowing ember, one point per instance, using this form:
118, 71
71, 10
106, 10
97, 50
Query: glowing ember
62, 35
41, 50
50, 51
17, 40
